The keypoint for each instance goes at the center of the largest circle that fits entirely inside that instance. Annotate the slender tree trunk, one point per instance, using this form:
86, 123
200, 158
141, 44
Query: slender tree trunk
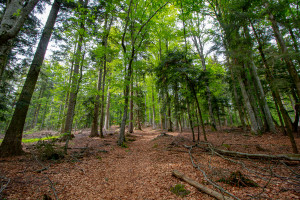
153, 109
130, 127
106, 124
105, 37
191, 120
75, 81
11, 144
170, 129
68, 92
199, 110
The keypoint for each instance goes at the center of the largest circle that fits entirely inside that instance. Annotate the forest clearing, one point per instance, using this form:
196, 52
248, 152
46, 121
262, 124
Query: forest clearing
149, 99
97, 168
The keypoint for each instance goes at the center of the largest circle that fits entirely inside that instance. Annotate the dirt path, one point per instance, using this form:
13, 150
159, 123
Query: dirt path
138, 172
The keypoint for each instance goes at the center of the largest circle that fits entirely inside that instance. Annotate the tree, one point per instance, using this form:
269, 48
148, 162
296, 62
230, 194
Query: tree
11, 144
12, 20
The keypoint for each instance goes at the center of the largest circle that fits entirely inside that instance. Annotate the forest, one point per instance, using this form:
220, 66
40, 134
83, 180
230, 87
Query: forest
97, 92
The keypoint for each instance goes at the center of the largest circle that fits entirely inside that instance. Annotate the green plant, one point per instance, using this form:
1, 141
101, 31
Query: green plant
124, 145
179, 190
155, 145
49, 151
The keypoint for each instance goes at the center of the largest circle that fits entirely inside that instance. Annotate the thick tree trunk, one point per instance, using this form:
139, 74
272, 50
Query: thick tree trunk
284, 50
121, 139
237, 102
254, 125
11, 144
94, 129
253, 101
10, 26
261, 92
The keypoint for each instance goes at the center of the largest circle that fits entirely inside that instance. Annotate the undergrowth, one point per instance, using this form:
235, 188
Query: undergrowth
179, 190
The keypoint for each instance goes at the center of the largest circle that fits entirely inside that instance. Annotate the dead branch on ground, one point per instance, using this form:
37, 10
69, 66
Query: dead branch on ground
199, 186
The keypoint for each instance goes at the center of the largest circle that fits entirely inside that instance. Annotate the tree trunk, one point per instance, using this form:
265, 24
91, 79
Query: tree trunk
68, 91
237, 102
261, 92
284, 50
75, 81
130, 127
170, 129
106, 124
209, 95
254, 125
153, 109
11, 144
121, 139
191, 120
94, 129
253, 101
199, 110
10, 26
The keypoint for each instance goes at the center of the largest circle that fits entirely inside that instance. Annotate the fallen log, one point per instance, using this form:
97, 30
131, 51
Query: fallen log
289, 157
199, 186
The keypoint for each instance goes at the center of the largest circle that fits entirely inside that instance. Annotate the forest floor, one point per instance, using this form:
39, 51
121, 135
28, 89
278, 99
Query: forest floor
96, 168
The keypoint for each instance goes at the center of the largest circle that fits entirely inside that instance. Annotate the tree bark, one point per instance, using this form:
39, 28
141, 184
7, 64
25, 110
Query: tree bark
199, 186
75, 81
11, 144
284, 50
11, 23
254, 125
153, 110
94, 129
130, 127
106, 123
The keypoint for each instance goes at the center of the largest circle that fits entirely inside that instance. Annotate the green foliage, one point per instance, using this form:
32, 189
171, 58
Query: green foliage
179, 190
49, 151
124, 145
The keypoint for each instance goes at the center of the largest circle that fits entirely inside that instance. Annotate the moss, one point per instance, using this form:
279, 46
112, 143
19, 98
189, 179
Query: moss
179, 190
237, 179
31, 140
155, 145
227, 146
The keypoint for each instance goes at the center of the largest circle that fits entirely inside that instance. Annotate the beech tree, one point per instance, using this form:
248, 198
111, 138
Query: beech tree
11, 144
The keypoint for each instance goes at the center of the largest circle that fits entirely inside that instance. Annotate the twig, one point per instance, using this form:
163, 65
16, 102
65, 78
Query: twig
52, 188
4, 186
